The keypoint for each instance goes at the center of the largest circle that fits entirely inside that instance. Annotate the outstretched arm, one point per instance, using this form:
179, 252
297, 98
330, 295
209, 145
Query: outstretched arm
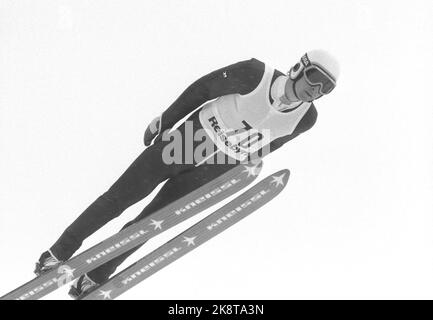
242, 77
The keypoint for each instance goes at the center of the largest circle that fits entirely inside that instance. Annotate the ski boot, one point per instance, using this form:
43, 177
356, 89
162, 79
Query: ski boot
46, 262
82, 286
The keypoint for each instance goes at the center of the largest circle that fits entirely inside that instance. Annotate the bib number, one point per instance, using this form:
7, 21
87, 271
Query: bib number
252, 137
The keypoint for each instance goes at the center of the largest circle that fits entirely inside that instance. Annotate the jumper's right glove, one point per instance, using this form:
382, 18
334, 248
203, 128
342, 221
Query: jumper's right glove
152, 131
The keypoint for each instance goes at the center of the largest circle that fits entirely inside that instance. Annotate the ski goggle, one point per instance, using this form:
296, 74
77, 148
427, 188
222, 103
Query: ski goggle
314, 76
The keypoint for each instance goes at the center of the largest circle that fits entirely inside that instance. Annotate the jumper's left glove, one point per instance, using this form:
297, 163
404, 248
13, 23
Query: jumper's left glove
152, 131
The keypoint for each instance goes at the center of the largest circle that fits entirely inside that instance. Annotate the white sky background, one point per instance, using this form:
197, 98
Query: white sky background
80, 80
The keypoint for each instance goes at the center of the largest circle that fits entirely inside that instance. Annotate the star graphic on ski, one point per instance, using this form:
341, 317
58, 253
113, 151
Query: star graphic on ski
157, 224
69, 272
278, 180
189, 241
251, 171
105, 294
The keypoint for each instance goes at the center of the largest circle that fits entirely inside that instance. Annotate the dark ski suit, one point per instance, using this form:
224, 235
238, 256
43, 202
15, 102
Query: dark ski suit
148, 170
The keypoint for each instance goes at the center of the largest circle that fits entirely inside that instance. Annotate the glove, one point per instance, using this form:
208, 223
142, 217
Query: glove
152, 131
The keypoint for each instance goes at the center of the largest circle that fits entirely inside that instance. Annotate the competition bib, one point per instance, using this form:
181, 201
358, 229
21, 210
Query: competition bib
241, 125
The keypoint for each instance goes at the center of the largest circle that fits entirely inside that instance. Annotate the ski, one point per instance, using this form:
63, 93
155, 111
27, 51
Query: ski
174, 213
209, 227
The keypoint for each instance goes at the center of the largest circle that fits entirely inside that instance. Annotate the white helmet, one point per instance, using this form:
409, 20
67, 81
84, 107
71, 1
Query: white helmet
318, 67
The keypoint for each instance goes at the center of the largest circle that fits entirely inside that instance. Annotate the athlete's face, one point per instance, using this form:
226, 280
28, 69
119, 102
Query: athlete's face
305, 91
300, 91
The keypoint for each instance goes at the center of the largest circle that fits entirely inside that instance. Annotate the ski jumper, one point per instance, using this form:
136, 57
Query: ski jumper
242, 100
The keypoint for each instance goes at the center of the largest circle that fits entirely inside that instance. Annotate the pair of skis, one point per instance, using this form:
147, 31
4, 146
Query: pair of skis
171, 215
209, 227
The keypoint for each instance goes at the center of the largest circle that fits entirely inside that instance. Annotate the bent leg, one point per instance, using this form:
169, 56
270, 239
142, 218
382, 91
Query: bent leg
172, 190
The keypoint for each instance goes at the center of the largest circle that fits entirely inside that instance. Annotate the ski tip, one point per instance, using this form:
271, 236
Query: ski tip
280, 178
286, 173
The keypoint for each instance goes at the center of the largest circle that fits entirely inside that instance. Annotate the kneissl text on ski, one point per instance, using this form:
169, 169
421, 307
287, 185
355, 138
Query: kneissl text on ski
215, 223
234, 115
204, 197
